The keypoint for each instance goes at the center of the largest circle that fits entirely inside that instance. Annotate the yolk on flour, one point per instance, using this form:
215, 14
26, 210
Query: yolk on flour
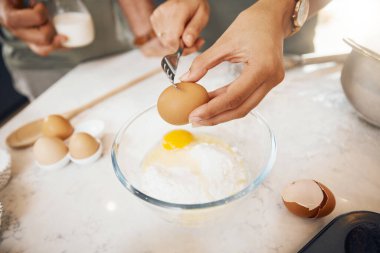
177, 139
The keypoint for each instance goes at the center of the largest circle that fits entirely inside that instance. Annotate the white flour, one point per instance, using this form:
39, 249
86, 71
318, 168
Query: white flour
204, 171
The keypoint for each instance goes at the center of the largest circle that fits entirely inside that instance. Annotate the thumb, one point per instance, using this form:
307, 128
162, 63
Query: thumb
202, 63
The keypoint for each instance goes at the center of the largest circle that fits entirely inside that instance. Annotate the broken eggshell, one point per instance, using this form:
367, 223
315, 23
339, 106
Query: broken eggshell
308, 198
328, 204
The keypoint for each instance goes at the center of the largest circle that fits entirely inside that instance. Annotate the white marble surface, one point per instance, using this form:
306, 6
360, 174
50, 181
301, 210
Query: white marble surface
86, 209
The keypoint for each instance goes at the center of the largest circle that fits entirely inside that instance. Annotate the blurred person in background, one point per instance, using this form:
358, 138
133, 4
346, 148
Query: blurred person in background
33, 50
239, 31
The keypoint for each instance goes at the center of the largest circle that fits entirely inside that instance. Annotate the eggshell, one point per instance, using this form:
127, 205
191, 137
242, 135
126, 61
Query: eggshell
328, 203
303, 198
300, 210
57, 126
49, 150
82, 145
177, 102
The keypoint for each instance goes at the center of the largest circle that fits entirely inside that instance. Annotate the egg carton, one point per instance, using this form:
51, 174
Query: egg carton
5, 168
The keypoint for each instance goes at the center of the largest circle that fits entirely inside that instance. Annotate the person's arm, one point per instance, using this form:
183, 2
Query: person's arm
177, 20
31, 25
317, 5
255, 38
137, 13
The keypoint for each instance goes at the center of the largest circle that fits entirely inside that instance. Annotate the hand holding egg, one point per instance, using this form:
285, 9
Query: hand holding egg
177, 102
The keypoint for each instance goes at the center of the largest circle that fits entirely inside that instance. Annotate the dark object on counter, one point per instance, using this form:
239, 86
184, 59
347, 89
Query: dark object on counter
364, 238
354, 232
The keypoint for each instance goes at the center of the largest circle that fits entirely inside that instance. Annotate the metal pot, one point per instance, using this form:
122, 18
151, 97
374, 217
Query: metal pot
361, 81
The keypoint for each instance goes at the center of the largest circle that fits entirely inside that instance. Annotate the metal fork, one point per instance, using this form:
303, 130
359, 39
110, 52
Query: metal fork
170, 63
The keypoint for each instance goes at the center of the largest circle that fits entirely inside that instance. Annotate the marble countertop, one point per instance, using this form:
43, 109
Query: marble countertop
86, 209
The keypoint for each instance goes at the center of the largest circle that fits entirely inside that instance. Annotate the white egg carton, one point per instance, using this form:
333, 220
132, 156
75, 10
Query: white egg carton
5, 168
55, 166
93, 127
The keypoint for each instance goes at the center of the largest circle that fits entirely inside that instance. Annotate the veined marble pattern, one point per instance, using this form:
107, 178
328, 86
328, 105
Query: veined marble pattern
86, 209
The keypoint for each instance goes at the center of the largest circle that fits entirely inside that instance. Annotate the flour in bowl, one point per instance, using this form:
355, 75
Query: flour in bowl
207, 169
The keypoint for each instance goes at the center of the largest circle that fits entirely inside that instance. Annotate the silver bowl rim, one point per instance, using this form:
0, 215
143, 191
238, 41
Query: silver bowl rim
361, 49
265, 170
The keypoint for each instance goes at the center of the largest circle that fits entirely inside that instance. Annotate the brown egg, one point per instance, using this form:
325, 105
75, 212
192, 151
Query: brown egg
177, 102
82, 145
308, 198
49, 150
57, 126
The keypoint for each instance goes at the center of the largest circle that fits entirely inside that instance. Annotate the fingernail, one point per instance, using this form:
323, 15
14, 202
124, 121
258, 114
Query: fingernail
185, 76
189, 39
194, 119
194, 125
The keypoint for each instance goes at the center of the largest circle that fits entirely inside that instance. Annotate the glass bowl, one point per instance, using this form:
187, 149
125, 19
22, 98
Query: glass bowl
250, 135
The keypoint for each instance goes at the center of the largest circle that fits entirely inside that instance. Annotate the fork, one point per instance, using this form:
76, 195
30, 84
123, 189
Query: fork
170, 63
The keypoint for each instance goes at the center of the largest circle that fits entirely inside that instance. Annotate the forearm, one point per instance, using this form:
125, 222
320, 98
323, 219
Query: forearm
317, 5
281, 11
137, 13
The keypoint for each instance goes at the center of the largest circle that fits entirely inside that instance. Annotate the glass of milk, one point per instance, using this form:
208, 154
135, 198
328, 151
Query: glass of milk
73, 20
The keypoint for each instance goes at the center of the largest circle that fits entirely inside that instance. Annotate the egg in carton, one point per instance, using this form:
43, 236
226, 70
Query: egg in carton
61, 143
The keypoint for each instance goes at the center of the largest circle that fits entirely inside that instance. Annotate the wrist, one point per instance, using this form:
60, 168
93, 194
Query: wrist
282, 12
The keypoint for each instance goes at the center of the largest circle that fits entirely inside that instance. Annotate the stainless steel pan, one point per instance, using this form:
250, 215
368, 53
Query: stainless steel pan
361, 81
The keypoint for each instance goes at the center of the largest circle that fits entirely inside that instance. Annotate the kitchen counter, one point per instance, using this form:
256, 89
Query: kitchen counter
86, 209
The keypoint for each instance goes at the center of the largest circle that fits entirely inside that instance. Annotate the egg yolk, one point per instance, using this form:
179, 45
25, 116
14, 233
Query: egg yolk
177, 139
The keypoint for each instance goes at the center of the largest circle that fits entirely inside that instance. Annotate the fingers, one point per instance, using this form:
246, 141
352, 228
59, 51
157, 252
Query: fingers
196, 46
229, 98
239, 112
195, 26
218, 92
45, 50
26, 18
42, 35
202, 63
168, 22
155, 48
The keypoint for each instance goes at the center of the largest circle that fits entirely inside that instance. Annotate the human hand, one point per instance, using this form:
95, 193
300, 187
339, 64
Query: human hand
180, 19
31, 25
155, 48
255, 38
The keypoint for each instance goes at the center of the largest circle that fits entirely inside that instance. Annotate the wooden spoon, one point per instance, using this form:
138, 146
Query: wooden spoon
26, 135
